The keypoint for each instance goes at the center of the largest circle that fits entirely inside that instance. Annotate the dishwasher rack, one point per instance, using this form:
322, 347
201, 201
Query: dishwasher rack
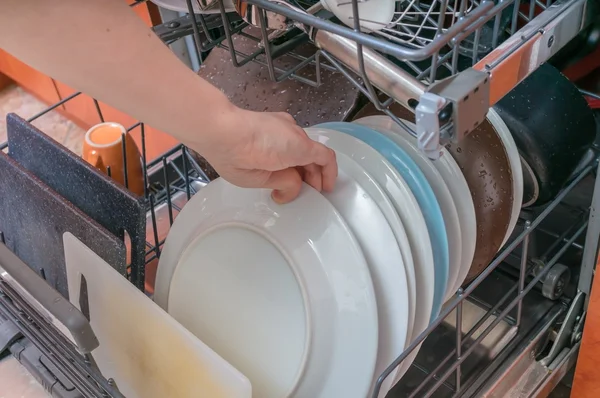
447, 61
522, 315
514, 330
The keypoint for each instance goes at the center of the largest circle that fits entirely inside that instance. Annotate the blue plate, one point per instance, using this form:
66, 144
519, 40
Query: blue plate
422, 191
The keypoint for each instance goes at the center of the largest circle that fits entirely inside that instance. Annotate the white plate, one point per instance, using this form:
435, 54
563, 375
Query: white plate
374, 14
515, 164
357, 197
282, 292
413, 240
181, 6
461, 194
387, 126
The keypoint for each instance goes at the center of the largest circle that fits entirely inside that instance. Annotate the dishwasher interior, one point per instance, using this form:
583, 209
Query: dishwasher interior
515, 330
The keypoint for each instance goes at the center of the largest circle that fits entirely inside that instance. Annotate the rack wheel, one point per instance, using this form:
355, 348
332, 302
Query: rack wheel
555, 281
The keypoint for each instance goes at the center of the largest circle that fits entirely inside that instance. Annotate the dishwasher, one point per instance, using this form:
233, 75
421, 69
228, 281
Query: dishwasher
515, 329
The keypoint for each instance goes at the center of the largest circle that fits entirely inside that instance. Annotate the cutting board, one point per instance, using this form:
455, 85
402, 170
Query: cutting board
108, 203
147, 352
33, 218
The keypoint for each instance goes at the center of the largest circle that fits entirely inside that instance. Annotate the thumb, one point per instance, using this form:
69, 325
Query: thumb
286, 185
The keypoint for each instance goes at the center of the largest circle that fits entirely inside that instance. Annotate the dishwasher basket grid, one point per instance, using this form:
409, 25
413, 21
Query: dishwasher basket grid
486, 321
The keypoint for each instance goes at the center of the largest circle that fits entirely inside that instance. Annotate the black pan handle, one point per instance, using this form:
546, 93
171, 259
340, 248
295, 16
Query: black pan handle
59, 307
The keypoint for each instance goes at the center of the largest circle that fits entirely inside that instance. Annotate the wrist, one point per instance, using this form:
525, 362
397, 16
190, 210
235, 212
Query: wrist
211, 123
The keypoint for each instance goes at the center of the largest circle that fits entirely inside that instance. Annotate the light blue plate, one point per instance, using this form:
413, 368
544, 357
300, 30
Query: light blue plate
420, 187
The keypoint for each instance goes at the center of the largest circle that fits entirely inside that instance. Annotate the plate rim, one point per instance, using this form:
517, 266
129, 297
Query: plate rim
398, 154
393, 288
440, 188
514, 161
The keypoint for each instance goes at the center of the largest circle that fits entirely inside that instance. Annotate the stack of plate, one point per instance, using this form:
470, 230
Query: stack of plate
317, 297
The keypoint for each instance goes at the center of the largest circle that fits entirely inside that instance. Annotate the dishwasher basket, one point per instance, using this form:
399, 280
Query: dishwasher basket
514, 330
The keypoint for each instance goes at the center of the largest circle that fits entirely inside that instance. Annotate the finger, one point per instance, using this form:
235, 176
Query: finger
286, 185
313, 176
324, 157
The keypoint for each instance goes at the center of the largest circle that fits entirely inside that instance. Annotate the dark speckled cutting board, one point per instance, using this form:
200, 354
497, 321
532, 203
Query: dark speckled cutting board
33, 219
108, 203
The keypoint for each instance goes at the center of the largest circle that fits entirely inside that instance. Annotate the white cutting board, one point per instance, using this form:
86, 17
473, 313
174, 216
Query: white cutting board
143, 348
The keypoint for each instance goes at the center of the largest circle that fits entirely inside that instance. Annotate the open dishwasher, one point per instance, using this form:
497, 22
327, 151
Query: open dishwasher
515, 328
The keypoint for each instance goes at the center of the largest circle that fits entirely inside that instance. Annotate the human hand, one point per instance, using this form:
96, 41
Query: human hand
267, 150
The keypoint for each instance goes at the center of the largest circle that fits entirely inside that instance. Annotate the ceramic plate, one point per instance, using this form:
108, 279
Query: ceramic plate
361, 211
414, 242
484, 163
456, 183
282, 292
407, 142
422, 191
389, 272
515, 164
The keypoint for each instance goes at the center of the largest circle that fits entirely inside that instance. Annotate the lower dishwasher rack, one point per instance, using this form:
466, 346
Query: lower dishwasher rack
514, 331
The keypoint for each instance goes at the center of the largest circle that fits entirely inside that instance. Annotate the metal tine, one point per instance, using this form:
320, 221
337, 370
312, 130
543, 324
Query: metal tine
186, 176
52, 107
496, 31
229, 37
167, 189
459, 314
515, 17
196, 32
532, 5
197, 167
486, 272
361, 60
475, 54
124, 152
144, 160
98, 110
154, 227
474, 328
508, 308
262, 21
523, 273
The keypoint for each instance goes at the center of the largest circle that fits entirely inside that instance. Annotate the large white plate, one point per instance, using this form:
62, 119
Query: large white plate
358, 199
413, 240
387, 126
282, 292
515, 164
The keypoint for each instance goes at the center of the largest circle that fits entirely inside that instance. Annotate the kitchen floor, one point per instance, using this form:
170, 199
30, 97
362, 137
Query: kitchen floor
14, 99
15, 380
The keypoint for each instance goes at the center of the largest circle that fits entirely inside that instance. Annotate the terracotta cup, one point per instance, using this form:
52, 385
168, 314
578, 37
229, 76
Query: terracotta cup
103, 149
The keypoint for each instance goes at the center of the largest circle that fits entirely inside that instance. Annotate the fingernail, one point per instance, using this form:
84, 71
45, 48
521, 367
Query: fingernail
277, 196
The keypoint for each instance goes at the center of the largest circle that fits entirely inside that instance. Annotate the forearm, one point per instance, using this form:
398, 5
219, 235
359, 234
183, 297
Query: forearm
102, 48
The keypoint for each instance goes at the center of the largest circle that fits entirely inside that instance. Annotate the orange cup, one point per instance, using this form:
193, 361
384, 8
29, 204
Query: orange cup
103, 149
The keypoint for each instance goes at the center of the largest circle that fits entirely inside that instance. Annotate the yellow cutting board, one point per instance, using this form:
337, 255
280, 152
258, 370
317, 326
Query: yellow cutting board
147, 352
